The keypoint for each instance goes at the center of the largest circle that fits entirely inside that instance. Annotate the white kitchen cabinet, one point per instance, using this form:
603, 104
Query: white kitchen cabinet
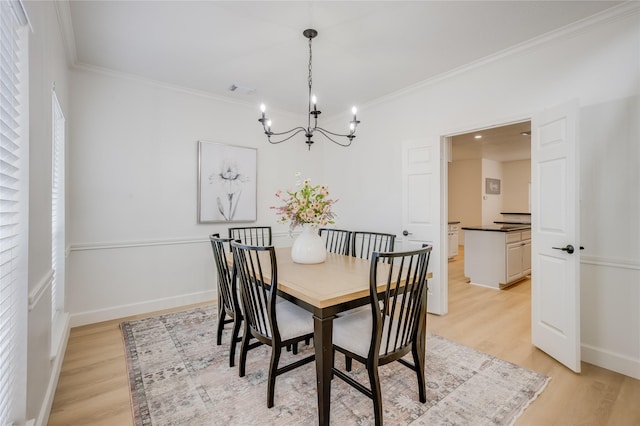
453, 239
526, 257
496, 258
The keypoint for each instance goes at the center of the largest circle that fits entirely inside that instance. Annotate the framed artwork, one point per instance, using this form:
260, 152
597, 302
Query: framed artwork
227, 186
492, 186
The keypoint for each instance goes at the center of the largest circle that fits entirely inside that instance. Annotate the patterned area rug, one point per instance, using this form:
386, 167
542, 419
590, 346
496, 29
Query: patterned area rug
178, 376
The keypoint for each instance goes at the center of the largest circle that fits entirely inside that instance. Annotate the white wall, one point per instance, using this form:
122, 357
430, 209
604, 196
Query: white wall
491, 203
465, 194
610, 222
515, 185
47, 65
600, 65
136, 245
468, 201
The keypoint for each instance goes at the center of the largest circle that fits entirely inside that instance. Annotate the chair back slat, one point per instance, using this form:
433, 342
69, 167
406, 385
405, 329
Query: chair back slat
336, 240
226, 279
256, 293
252, 235
400, 309
363, 244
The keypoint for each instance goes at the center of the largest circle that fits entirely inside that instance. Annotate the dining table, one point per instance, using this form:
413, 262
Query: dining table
325, 290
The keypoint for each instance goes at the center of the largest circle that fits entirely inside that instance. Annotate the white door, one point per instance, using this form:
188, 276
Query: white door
420, 212
555, 275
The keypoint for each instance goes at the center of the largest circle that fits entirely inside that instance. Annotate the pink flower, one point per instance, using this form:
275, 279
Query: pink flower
308, 205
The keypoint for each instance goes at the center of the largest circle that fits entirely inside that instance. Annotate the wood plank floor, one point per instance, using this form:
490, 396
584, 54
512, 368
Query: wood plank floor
93, 386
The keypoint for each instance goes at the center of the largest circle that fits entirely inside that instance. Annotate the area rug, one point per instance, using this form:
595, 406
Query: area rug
179, 376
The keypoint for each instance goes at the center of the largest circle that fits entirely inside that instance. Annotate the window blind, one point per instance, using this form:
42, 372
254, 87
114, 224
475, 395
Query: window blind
13, 235
57, 214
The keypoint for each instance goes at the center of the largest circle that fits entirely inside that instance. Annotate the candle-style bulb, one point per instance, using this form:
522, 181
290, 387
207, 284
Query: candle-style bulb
263, 108
314, 100
354, 110
352, 126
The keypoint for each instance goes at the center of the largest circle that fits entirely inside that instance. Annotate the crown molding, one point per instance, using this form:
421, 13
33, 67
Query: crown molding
622, 11
173, 87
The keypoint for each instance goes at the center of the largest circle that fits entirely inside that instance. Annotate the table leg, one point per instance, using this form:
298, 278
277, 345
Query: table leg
323, 342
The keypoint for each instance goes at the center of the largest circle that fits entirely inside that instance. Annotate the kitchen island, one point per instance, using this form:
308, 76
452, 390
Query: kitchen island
497, 256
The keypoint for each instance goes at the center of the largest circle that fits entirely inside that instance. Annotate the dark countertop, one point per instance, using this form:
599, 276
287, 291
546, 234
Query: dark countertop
527, 214
498, 228
453, 222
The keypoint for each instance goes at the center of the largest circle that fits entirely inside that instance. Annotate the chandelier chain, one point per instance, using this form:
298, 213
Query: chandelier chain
310, 67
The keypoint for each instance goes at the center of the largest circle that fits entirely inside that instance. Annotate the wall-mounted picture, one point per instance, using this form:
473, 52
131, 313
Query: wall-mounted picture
227, 184
492, 186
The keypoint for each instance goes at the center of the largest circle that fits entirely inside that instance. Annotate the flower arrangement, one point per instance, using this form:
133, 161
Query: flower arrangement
308, 205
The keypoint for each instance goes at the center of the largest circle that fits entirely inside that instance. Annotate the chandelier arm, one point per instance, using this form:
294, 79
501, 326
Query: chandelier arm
295, 129
301, 129
322, 132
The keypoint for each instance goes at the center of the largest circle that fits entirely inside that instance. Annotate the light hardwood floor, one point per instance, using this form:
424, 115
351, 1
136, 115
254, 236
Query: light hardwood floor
93, 387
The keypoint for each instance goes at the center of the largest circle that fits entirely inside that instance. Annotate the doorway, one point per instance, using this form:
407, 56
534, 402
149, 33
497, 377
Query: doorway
499, 153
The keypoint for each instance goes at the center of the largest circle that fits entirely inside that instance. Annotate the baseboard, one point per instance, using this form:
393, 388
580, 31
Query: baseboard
611, 361
91, 317
56, 366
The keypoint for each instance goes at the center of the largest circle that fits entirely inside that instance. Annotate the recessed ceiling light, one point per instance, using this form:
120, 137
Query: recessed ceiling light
477, 137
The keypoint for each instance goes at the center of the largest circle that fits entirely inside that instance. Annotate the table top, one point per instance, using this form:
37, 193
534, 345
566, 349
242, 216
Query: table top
338, 280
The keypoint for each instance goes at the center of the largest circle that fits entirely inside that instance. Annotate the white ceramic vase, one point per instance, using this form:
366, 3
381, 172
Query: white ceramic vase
308, 247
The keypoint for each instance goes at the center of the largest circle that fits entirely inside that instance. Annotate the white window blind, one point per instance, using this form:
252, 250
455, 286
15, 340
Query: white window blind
57, 215
13, 226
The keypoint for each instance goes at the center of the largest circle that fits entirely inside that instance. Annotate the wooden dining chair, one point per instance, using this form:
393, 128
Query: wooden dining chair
364, 243
275, 324
336, 240
393, 326
252, 235
228, 302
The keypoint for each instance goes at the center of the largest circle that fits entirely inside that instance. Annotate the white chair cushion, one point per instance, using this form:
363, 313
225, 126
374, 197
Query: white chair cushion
353, 332
293, 321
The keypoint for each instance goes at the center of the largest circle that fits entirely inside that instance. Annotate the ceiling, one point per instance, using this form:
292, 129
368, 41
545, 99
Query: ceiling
504, 143
365, 49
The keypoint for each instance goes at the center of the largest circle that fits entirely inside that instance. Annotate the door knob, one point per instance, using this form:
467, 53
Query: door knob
569, 248
405, 233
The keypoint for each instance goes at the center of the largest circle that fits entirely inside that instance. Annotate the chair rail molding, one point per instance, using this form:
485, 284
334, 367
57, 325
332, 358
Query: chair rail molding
610, 262
162, 242
40, 289
136, 243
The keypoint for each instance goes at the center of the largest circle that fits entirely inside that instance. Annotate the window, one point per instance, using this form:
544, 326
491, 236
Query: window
13, 211
57, 223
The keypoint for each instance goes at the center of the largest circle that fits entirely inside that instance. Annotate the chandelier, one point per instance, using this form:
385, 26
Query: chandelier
313, 112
